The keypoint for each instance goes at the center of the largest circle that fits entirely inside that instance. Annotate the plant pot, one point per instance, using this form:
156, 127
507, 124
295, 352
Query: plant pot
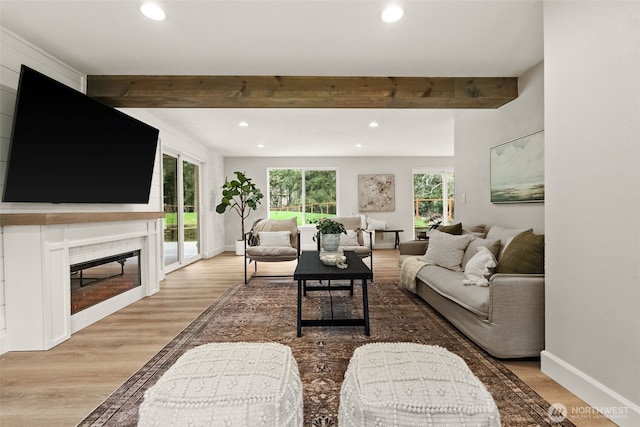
330, 242
239, 247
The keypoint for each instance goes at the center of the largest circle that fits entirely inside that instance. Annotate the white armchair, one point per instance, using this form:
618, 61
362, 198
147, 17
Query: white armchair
271, 240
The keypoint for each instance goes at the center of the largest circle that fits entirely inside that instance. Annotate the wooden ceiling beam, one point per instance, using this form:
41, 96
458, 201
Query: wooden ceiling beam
139, 91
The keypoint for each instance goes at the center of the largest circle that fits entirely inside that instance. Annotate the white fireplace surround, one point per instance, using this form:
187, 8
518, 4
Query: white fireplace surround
37, 280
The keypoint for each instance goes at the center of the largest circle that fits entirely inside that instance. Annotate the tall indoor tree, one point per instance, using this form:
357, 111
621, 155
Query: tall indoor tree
240, 195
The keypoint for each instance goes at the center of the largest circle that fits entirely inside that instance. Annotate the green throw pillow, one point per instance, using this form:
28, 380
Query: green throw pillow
524, 255
455, 229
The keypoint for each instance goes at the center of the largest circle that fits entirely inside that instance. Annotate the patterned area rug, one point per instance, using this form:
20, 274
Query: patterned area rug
266, 311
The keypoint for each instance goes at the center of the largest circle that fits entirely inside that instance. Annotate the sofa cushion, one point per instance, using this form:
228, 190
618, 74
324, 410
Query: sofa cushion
475, 229
455, 229
523, 255
446, 250
272, 253
505, 235
449, 284
480, 267
492, 245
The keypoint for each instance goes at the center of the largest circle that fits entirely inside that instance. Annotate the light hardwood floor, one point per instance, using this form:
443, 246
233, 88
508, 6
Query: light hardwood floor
61, 386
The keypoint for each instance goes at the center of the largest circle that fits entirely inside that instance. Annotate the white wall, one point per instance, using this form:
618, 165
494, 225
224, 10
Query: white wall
592, 121
476, 131
212, 177
348, 170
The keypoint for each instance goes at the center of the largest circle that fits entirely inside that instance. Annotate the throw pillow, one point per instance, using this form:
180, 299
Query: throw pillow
523, 255
290, 224
446, 250
376, 224
455, 229
505, 235
349, 239
275, 238
480, 267
492, 245
478, 228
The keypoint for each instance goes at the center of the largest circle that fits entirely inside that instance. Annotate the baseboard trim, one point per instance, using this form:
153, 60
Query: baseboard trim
609, 403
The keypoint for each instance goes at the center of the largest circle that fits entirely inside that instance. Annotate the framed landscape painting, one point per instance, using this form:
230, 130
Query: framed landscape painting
517, 170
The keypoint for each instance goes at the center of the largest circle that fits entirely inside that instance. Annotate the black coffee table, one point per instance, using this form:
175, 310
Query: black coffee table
310, 268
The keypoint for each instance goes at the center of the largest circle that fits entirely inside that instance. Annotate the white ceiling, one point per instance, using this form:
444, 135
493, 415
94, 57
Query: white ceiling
448, 38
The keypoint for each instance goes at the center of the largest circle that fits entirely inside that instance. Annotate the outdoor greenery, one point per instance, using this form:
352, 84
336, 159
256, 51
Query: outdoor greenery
310, 217
320, 188
190, 219
286, 195
285, 188
427, 189
190, 177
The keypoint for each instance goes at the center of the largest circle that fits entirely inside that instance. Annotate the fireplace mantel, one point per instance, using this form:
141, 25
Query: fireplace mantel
54, 218
39, 249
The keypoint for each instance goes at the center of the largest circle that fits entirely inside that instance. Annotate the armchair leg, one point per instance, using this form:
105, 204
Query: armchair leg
245, 266
255, 271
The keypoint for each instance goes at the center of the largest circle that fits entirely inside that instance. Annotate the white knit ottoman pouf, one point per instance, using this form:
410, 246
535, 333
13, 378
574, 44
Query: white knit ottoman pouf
406, 384
227, 384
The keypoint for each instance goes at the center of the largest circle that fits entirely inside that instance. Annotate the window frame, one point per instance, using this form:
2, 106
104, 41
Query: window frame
444, 171
303, 195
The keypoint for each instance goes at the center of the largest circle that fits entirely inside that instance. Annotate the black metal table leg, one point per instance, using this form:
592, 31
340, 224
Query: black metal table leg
365, 307
300, 307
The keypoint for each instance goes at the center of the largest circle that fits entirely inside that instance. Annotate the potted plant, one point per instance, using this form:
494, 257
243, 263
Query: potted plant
241, 195
330, 231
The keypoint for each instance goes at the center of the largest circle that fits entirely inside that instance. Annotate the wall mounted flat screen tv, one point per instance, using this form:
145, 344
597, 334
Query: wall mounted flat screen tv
67, 147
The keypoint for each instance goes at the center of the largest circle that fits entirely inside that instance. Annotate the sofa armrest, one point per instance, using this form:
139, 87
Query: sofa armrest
517, 302
515, 278
413, 247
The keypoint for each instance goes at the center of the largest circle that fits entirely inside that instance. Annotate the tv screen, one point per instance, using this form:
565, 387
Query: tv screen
67, 147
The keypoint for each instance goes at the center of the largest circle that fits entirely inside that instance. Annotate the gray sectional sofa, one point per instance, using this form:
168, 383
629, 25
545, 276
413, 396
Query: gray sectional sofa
505, 314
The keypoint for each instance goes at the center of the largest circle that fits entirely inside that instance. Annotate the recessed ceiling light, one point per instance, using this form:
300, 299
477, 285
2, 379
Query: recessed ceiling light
260, 145
373, 125
391, 13
153, 11
243, 124
358, 145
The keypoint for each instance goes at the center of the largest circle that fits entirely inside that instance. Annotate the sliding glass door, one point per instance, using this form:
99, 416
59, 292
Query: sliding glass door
181, 225
170, 223
191, 209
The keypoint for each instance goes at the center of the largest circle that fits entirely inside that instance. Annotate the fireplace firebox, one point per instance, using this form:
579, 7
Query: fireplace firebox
98, 280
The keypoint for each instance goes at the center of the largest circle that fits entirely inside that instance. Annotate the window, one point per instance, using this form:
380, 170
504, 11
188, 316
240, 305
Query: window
307, 194
433, 202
